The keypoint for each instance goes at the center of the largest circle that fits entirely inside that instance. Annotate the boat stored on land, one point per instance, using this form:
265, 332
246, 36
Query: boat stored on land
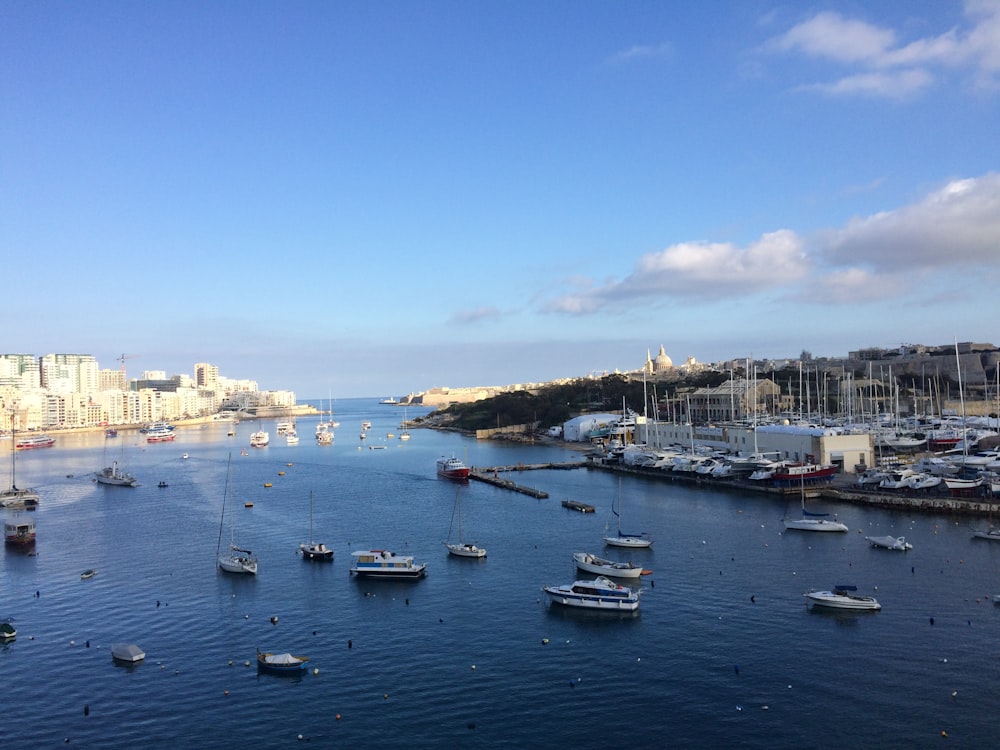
380, 563
843, 597
598, 565
601, 593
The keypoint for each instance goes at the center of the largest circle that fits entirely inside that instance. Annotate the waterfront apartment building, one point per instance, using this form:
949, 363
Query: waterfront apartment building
70, 390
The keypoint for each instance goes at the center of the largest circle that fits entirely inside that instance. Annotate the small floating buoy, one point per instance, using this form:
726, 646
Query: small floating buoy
267, 484
545, 641
337, 717
350, 644
281, 473
86, 710
315, 670
385, 696
274, 619
246, 663
473, 667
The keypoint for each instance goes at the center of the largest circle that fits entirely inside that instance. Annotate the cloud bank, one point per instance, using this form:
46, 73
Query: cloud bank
880, 64
889, 253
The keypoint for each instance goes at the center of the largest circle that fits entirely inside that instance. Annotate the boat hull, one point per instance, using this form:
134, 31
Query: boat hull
814, 524
601, 594
833, 600
633, 542
598, 566
318, 552
465, 550
896, 543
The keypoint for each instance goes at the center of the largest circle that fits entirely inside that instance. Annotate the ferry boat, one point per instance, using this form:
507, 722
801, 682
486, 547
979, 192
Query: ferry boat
601, 593
259, 439
380, 563
34, 441
19, 532
161, 435
452, 468
156, 426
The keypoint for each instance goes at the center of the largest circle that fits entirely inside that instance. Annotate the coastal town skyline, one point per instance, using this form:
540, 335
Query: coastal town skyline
368, 200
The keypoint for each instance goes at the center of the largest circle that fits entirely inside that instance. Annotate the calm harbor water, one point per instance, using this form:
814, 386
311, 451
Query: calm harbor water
723, 652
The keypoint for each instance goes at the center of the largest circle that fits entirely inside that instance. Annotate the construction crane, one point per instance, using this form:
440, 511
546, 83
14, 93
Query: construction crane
122, 360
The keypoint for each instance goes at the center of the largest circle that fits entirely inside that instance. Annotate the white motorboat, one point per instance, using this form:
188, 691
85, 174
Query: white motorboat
234, 559
460, 548
601, 593
954, 483
992, 533
896, 480
923, 481
380, 563
292, 437
898, 543
843, 597
871, 477
259, 439
599, 566
620, 538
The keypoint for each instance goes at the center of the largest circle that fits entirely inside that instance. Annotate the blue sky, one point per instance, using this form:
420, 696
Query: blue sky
373, 198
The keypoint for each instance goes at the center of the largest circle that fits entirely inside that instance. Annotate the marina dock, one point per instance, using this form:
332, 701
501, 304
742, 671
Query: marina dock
492, 475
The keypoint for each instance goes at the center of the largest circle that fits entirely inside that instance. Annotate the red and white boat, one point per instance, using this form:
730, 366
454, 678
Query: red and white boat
34, 441
19, 532
452, 468
159, 436
807, 472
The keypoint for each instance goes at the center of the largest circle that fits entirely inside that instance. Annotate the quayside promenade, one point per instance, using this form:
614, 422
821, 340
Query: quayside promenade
842, 488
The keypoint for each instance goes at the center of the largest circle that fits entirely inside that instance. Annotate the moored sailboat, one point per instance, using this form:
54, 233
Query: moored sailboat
313, 550
620, 538
460, 548
234, 559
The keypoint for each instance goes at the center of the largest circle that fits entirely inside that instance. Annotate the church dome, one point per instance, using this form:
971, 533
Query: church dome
662, 361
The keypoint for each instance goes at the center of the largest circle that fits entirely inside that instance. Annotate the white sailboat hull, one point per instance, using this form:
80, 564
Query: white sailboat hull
814, 524
628, 541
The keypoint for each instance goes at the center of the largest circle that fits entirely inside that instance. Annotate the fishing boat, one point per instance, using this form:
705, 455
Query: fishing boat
34, 441
380, 563
599, 566
798, 472
620, 538
19, 532
452, 468
114, 476
812, 521
601, 593
283, 664
17, 498
843, 597
313, 550
897, 543
460, 548
234, 559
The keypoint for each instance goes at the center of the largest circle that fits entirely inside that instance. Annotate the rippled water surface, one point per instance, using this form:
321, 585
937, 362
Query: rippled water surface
723, 653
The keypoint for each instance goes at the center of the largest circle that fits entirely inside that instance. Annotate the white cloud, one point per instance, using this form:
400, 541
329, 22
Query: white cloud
699, 270
640, 51
894, 85
958, 225
880, 65
476, 315
906, 251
